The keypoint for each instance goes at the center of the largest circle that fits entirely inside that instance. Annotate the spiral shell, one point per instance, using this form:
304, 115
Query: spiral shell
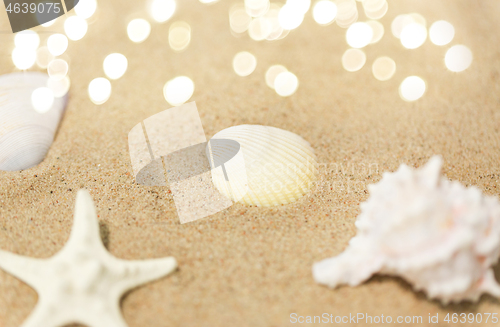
278, 166
439, 235
25, 135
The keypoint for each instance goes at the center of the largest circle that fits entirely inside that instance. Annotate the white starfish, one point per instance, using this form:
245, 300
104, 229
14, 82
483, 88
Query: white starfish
82, 283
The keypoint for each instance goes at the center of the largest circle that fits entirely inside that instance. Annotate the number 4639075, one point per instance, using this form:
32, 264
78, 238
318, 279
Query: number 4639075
32, 8
471, 318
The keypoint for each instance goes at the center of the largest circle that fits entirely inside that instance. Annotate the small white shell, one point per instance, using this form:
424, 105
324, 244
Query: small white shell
25, 135
439, 235
279, 166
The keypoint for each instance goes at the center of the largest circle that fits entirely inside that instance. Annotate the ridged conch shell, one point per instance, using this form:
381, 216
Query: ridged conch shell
25, 135
279, 166
439, 235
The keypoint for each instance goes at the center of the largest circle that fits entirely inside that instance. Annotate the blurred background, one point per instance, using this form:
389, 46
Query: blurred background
369, 84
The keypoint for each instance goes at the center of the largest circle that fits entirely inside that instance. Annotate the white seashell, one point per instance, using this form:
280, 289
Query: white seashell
439, 235
25, 135
279, 166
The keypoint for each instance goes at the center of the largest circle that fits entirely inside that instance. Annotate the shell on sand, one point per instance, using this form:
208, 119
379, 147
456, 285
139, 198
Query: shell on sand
438, 235
25, 135
279, 166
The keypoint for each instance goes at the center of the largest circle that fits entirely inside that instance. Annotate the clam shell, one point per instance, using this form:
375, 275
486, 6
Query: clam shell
279, 167
25, 135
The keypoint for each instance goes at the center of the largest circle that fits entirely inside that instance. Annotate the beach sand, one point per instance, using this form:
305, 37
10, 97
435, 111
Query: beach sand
250, 266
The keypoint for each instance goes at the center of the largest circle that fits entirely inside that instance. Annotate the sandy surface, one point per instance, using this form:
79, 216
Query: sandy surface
249, 266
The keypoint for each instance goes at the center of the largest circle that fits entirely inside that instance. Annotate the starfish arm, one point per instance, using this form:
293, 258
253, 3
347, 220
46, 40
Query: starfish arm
85, 228
110, 318
41, 316
138, 272
26, 269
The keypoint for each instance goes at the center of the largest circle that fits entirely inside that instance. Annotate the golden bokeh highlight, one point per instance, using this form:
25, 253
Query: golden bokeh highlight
60, 87
286, 84
23, 58
75, 28
42, 99
272, 72
377, 29
179, 36
375, 9
138, 30
383, 68
347, 13
86, 8
413, 35
244, 63
257, 8
353, 60
260, 28
324, 12
162, 10
359, 35
115, 65
99, 90
27, 39
239, 19
441, 32
412, 88
57, 69
57, 44
43, 57
458, 58
178, 90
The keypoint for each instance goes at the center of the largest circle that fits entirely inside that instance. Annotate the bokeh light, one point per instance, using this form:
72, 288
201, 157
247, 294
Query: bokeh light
290, 17
85, 8
399, 23
42, 99
43, 57
383, 68
272, 17
57, 44
49, 23
285, 84
60, 87
324, 12
458, 58
419, 19
412, 88
359, 35
272, 73
138, 30
162, 10
378, 30
99, 90
375, 9
413, 35
115, 65
178, 90
179, 36
75, 28
28, 40
257, 8
441, 32
239, 19
260, 28
347, 13
23, 58
244, 63
57, 69
353, 60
